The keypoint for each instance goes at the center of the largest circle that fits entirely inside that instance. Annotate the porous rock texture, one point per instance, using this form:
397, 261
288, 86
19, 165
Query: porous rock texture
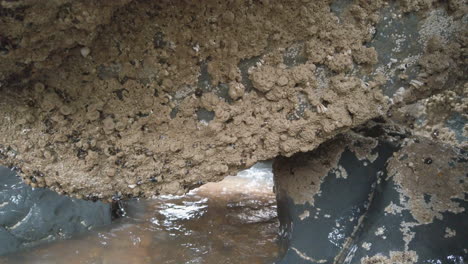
140, 98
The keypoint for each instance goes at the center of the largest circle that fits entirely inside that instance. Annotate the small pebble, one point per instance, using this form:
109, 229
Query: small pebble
93, 115
228, 17
236, 90
428, 161
39, 87
282, 80
111, 172
120, 126
66, 110
108, 124
85, 51
47, 155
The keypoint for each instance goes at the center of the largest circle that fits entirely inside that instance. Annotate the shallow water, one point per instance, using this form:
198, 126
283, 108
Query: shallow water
229, 222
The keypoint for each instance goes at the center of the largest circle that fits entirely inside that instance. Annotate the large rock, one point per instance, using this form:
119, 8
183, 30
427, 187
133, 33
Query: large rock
30, 216
385, 199
140, 98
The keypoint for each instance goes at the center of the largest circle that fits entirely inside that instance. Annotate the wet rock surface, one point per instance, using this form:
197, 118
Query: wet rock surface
138, 99
29, 217
400, 200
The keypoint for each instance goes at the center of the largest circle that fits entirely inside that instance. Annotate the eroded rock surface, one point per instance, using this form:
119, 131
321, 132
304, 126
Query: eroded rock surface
402, 200
161, 97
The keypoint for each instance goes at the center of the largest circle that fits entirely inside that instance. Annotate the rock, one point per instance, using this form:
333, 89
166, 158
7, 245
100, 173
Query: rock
85, 51
360, 202
31, 217
236, 90
176, 91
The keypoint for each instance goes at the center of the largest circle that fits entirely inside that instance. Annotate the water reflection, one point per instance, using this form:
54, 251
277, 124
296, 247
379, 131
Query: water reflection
230, 222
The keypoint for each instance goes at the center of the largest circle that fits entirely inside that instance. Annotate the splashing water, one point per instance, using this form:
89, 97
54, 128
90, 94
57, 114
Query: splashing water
233, 221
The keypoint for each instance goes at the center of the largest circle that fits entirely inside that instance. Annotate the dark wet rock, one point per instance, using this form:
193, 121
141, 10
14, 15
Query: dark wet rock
396, 57
372, 205
29, 217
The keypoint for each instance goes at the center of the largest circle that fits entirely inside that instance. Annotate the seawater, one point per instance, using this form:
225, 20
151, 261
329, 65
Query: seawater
233, 221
